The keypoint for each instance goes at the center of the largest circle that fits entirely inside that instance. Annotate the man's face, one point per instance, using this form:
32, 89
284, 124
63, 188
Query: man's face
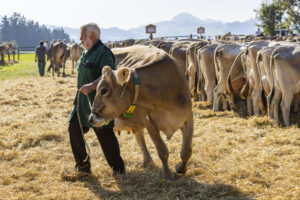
86, 38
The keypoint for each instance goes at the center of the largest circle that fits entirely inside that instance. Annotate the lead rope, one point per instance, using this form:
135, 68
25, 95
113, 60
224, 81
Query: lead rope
81, 129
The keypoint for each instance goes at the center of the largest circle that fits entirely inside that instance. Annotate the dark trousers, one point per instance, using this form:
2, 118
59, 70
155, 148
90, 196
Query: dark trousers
41, 65
108, 142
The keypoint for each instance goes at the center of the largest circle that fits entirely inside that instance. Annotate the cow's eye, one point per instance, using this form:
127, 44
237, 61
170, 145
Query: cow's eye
103, 91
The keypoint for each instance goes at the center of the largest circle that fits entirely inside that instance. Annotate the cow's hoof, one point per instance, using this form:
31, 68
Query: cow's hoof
149, 164
64, 74
181, 168
73, 73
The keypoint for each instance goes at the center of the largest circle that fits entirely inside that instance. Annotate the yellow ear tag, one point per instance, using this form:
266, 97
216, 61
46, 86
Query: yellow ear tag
106, 123
131, 108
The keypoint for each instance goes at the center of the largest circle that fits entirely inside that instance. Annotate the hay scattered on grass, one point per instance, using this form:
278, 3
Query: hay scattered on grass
234, 157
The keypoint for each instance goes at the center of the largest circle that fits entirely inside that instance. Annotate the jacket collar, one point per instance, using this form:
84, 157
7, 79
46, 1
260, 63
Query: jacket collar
96, 45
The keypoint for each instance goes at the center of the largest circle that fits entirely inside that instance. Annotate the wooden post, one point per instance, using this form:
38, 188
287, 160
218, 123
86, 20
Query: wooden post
18, 55
151, 29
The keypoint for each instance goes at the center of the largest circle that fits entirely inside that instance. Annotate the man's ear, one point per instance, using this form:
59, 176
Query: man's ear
123, 75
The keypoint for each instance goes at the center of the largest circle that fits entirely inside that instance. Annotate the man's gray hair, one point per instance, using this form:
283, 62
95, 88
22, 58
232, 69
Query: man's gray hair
93, 27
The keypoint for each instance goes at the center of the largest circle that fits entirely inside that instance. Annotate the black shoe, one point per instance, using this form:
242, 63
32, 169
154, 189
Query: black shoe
119, 171
85, 167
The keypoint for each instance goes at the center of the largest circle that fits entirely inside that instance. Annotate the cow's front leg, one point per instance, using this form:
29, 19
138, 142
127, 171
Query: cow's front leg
161, 148
186, 147
63, 66
58, 69
53, 68
139, 136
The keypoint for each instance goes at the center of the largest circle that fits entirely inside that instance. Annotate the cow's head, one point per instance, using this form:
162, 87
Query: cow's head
113, 96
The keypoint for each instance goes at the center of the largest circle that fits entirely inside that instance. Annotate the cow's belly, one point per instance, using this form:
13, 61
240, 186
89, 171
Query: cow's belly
168, 122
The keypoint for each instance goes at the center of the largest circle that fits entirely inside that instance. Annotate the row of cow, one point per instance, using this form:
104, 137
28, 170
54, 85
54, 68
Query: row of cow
7, 49
261, 72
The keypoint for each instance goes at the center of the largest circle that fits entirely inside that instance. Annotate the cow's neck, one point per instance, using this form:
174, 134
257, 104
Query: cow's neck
128, 113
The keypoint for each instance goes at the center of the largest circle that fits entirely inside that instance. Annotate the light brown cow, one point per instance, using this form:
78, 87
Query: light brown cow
192, 65
58, 55
224, 57
166, 45
163, 100
127, 43
285, 73
253, 77
75, 53
205, 60
178, 51
2, 51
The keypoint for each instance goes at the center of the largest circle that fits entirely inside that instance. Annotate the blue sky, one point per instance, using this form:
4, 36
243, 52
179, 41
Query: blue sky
127, 14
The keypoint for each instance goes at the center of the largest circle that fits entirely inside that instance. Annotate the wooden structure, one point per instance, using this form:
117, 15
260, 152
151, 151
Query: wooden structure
200, 31
151, 29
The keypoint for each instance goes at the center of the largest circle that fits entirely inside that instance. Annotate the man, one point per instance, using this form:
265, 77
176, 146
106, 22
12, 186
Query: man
46, 44
258, 32
40, 53
89, 69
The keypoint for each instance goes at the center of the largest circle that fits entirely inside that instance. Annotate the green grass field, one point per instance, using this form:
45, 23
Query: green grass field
25, 68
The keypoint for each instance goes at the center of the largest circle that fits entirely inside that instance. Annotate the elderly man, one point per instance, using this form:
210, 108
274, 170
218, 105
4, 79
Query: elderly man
89, 68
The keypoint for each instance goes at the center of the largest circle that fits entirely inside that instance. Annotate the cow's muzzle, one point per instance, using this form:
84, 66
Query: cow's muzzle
95, 120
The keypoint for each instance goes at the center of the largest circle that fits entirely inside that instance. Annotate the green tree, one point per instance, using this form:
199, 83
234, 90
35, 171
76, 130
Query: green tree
291, 10
281, 14
27, 32
270, 15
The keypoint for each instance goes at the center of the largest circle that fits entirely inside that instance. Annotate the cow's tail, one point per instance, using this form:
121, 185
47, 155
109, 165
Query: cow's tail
229, 85
263, 104
216, 62
187, 64
272, 85
197, 66
245, 90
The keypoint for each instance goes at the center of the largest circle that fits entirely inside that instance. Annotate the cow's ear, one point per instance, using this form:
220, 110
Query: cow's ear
123, 75
106, 69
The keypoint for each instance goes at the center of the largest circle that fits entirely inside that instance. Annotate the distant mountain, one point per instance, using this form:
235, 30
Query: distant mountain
180, 25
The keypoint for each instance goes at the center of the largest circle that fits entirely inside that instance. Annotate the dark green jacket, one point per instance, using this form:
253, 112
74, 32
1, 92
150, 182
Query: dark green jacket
89, 68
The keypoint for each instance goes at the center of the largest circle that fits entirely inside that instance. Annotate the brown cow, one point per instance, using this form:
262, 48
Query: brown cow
58, 54
161, 96
224, 58
75, 53
285, 73
205, 60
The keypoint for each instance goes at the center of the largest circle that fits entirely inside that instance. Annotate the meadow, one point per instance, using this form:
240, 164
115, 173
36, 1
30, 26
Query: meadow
234, 156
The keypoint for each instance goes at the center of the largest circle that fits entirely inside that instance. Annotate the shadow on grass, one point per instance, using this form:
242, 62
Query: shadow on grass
148, 185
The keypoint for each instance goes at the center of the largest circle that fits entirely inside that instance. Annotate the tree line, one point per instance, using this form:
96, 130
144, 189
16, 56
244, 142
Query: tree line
27, 33
279, 14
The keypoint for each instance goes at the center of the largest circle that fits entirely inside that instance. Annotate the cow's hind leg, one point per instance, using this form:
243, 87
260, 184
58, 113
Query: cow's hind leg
161, 148
274, 104
186, 147
72, 66
217, 97
139, 136
286, 102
